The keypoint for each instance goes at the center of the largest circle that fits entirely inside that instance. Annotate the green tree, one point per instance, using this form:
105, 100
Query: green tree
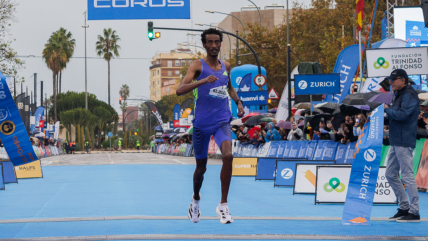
124, 93
9, 62
67, 43
104, 117
108, 48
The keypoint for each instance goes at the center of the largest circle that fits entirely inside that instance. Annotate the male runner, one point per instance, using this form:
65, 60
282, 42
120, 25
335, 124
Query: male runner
209, 79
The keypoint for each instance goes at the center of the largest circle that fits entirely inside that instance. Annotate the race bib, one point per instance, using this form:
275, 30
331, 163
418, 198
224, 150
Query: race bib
219, 92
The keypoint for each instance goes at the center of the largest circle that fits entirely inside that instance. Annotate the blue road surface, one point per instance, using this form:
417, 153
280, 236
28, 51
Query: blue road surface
166, 190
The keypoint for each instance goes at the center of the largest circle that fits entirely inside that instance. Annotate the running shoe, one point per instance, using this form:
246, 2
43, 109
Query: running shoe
194, 213
223, 211
409, 218
399, 214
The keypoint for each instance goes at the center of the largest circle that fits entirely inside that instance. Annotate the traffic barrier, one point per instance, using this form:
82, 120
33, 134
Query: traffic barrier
286, 169
9, 174
244, 166
332, 185
1, 177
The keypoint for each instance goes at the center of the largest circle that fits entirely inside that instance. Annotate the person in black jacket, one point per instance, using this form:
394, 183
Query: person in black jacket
403, 120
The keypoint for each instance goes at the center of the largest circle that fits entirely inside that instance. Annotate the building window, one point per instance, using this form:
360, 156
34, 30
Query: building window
177, 72
169, 73
177, 63
153, 83
183, 63
153, 73
190, 62
170, 63
158, 72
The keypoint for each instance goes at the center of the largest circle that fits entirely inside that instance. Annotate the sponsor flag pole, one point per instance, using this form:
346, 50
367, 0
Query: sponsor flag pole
361, 60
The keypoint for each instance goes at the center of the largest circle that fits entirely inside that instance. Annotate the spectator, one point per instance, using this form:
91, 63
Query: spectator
403, 118
359, 124
271, 133
386, 136
348, 134
295, 133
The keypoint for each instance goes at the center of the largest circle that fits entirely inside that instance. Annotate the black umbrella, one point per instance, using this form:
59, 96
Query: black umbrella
374, 105
369, 95
351, 110
328, 107
355, 99
420, 91
338, 119
254, 120
315, 112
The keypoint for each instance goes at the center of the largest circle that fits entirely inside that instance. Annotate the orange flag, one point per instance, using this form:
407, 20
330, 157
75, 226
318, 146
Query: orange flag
360, 7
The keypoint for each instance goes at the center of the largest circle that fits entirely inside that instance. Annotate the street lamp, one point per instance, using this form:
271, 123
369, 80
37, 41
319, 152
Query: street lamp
230, 42
258, 11
86, 71
209, 11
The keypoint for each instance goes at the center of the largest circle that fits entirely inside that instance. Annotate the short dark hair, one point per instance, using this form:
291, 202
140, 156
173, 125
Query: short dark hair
211, 31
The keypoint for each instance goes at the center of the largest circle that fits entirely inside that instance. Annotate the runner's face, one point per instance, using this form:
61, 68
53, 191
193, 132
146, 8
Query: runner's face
212, 44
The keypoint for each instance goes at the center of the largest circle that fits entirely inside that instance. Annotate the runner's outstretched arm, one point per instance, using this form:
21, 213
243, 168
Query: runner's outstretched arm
187, 84
233, 94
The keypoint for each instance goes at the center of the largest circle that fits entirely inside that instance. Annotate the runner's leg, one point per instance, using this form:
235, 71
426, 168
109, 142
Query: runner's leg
223, 138
201, 143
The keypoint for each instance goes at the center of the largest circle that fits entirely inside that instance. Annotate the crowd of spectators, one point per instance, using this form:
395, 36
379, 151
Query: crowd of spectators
185, 139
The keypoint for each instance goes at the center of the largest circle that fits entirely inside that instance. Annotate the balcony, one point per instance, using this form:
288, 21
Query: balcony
155, 66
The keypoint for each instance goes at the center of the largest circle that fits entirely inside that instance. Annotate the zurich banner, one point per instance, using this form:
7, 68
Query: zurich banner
315, 84
364, 172
138, 9
12, 130
346, 65
254, 97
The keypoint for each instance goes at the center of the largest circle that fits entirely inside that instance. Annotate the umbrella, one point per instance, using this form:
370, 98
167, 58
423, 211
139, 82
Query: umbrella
385, 98
355, 99
362, 107
273, 110
303, 105
423, 96
252, 130
315, 112
284, 125
237, 122
373, 105
255, 120
301, 124
328, 107
180, 130
337, 120
245, 118
165, 136
369, 95
266, 119
352, 110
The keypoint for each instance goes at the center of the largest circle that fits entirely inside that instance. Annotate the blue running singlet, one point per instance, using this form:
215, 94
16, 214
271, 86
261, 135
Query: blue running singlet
212, 111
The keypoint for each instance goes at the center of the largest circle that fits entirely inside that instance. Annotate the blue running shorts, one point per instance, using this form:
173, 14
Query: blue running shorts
201, 138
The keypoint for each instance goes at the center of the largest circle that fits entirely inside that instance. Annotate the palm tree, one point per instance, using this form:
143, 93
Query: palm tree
57, 53
124, 93
108, 48
68, 44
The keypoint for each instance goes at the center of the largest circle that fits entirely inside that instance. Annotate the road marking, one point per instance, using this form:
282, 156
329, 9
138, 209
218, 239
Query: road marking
175, 160
109, 157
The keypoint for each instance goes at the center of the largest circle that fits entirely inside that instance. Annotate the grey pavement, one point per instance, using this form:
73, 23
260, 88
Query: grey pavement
121, 159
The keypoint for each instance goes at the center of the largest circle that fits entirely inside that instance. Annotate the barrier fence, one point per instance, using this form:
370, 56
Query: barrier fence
265, 161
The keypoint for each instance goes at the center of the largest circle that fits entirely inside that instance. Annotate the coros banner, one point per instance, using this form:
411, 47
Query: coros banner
332, 185
365, 167
244, 167
138, 9
12, 130
381, 62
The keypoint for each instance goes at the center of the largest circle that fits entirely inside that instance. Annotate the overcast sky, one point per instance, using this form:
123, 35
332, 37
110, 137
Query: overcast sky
37, 19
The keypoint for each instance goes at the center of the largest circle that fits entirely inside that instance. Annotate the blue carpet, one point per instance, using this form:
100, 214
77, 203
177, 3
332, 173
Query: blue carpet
166, 190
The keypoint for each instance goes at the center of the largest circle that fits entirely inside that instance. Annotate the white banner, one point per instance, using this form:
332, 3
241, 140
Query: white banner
372, 84
381, 62
332, 185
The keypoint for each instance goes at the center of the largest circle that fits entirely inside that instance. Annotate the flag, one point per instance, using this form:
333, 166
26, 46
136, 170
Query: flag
360, 8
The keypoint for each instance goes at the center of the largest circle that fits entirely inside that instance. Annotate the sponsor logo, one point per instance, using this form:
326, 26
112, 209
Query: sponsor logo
238, 80
7, 128
311, 177
415, 31
139, 3
322, 84
287, 173
3, 114
381, 63
370, 155
2, 95
358, 220
334, 185
303, 84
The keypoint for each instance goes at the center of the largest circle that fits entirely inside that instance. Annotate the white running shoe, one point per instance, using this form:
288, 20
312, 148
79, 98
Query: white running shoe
194, 213
223, 211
